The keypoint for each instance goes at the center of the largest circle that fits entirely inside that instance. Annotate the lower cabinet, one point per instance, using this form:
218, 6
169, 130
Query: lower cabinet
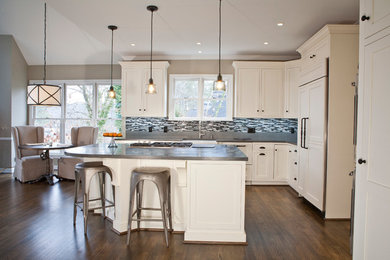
292, 165
263, 155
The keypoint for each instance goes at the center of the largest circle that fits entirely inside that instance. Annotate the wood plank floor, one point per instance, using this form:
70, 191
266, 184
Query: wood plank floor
36, 223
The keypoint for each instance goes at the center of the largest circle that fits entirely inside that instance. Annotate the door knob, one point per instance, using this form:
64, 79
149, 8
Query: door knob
361, 161
364, 18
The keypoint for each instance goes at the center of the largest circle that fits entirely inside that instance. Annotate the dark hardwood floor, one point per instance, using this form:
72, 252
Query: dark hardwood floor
36, 223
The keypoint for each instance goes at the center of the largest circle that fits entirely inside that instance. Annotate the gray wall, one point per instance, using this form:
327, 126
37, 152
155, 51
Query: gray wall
13, 107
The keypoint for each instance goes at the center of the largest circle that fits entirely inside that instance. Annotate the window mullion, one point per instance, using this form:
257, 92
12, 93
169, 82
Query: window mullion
63, 114
200, 98
95, 102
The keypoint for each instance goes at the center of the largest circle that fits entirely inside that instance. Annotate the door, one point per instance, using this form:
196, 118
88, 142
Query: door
372, 193
263, 154
315, 125
291, 92
132, 92
248, 84
378, 14
281, 162
272, 93
303, 98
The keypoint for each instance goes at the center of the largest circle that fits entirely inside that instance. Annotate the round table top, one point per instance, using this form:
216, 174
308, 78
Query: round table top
44, 146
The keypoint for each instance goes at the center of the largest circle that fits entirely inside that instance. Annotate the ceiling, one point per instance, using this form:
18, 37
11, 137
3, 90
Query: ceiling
77, 30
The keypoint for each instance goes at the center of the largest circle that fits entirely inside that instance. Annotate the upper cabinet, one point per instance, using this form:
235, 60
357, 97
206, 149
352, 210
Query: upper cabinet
259, 89
135, 102
291, 84
374, 16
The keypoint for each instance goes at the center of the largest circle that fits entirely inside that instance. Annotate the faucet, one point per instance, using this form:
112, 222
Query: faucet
200, 130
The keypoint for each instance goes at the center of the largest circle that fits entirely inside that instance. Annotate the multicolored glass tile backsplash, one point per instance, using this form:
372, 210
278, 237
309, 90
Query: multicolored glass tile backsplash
261, 125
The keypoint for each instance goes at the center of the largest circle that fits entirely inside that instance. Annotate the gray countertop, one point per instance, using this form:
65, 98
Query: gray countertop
290, 138
217, 153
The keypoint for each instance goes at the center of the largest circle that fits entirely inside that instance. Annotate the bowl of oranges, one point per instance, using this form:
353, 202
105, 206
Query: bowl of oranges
112, 143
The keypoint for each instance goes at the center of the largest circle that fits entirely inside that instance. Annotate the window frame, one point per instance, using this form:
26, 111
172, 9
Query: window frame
201, 78
63, 119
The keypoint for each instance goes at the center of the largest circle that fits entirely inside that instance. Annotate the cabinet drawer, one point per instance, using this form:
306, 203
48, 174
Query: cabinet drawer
246, 148
314, 62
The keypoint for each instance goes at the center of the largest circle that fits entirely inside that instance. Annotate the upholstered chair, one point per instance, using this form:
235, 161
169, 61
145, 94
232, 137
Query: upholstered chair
28, 164
80, 136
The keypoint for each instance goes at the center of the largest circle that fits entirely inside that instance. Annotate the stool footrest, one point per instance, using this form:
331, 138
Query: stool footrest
147, 219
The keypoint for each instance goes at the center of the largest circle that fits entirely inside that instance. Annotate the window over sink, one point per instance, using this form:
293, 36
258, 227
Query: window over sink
192, 98
83, 103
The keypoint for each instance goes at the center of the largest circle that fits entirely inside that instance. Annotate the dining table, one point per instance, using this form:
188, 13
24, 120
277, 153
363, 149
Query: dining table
45, 155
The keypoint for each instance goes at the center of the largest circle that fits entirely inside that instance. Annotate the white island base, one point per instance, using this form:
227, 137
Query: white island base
208, 198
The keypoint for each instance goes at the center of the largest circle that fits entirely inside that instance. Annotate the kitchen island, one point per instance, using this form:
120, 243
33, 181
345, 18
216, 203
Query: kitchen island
207, 183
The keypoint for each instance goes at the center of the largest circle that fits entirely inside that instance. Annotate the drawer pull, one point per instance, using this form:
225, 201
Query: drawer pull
364, 18
262, 154
262, 147
240, 145
312, 56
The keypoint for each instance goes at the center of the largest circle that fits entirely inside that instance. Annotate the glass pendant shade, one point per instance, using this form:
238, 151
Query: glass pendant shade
111, 92
43, 95
219, 84
151, 88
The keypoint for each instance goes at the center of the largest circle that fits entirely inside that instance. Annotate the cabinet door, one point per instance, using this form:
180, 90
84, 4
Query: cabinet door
303, 97
155, 104
291, 92
247, 93
272, 92
293, 167
378, 12
132, 97
372, 201
281, 162
263, 154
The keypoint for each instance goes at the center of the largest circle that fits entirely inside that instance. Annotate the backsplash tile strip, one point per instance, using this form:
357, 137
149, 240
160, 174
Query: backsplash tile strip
261, 125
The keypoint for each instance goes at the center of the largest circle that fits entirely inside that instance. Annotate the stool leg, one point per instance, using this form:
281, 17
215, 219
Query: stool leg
85, 211
163, 194
140, 189
169, 204
76, 189
132, 191
102, 193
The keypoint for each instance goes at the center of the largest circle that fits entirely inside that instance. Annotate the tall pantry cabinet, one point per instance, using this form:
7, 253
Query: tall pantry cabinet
372, 193
325, 118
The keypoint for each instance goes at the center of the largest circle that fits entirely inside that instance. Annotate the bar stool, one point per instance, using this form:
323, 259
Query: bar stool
162, 179
84, 173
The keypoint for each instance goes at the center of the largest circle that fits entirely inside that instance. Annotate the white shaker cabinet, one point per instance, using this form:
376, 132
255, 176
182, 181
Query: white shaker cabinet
292, 165
259, 89
371, 227
135, 102
374, 16
291, 84
263, 156
281, 165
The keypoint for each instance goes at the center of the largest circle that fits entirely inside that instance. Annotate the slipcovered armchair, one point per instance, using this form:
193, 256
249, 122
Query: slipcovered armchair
28, 164
79, 136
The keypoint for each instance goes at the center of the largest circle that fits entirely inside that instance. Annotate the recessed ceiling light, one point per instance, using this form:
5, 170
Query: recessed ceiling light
199, 52
198, 43
280, 24
132, 44
266, 43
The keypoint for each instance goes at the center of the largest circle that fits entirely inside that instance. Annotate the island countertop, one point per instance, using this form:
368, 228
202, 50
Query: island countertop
216, 153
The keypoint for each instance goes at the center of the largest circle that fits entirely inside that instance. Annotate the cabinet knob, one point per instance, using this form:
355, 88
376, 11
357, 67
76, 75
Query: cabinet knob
295, 179
258, 110
139, 109
287, 111
144, 109
295, 163
262, 110
361, 161
312, 56
364, 18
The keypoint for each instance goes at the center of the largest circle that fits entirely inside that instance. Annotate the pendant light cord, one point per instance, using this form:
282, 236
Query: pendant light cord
112, 51
44, 48
151, 44
220, 13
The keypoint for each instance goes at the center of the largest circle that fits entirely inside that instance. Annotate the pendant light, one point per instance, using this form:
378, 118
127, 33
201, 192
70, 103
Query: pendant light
44, 94
219, 84
111, 92
151, 87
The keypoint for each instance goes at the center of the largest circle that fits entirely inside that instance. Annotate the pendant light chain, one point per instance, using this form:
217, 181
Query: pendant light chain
220, 14
44, 48
112, 52
151, 45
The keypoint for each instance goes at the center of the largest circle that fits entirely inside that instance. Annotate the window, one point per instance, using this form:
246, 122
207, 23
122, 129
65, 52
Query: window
84, 103
192, 98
